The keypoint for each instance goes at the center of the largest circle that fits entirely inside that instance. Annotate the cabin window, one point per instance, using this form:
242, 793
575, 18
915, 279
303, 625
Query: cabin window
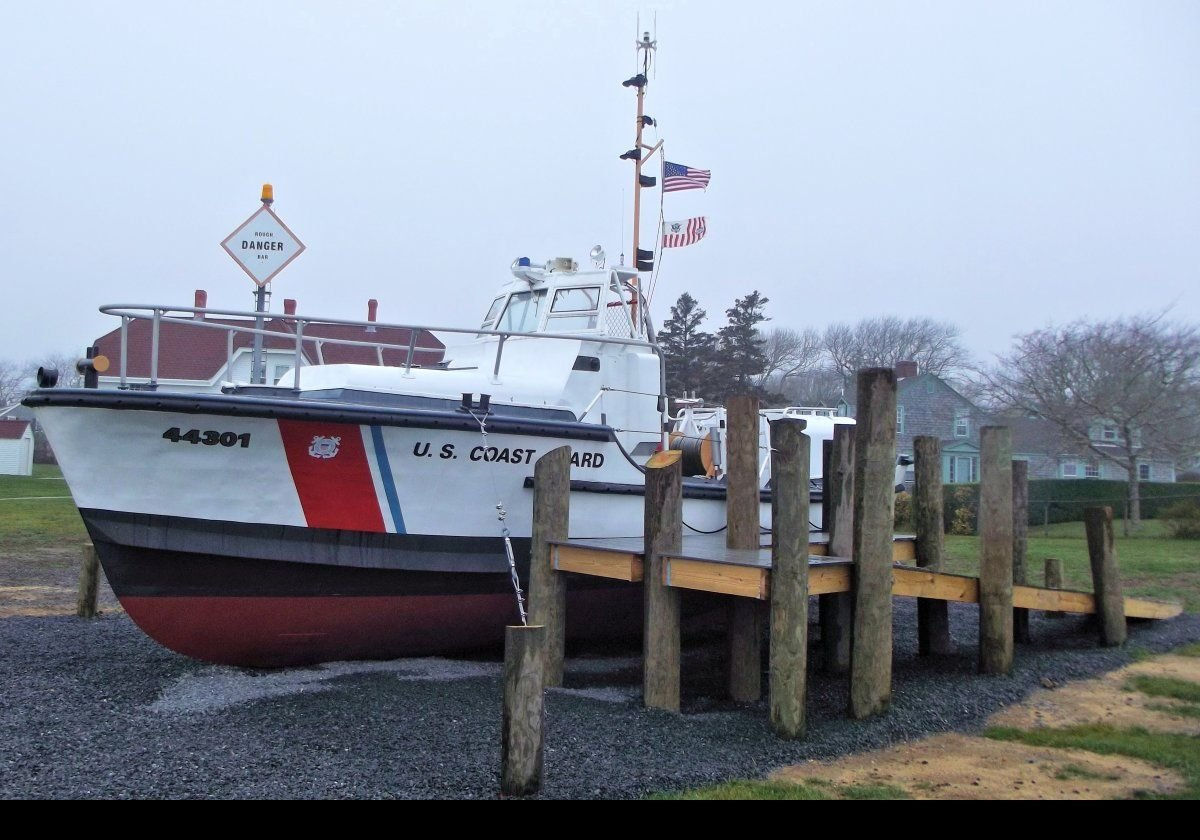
490, 317
576, 300
574, 309
523, 313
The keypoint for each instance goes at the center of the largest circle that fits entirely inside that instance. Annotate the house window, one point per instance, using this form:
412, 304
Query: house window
899, 419
1109, 433
1091, 470
962, 426
1070, 469
963, 469
1143, 472
280, 370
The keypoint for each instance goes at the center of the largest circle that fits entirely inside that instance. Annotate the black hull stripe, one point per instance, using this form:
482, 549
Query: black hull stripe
155, 573
302, 546
263, 407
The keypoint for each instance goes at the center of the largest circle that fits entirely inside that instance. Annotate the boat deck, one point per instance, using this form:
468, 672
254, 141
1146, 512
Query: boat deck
705, 564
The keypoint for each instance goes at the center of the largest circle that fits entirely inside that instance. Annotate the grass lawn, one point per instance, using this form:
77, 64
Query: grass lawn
28, 519
1179, 752
1152, 564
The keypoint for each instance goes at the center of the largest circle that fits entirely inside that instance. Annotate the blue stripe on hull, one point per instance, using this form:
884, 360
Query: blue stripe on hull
389, 483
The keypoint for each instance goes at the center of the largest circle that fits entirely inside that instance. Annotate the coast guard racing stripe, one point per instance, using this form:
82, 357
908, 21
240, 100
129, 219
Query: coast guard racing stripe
333, 479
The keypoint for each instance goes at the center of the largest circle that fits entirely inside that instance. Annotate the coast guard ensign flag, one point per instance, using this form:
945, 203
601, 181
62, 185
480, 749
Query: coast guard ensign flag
687, 232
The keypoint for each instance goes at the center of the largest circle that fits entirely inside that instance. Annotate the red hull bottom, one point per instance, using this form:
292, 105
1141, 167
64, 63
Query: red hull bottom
271, 632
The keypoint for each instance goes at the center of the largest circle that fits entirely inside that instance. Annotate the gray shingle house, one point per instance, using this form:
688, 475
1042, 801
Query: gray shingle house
928, 405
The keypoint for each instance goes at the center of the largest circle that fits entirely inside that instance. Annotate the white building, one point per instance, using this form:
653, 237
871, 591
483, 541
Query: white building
16, 447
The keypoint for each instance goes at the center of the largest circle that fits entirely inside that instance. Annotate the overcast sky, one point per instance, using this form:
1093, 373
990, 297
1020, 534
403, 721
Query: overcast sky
999, 165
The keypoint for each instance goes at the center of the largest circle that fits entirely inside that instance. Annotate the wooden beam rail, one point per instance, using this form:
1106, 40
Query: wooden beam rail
742, 574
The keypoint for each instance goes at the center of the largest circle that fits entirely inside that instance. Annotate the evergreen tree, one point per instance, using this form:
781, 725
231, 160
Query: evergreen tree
740, 355
687, 350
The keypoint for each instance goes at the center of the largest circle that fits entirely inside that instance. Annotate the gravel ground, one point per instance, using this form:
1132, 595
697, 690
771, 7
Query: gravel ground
95, 709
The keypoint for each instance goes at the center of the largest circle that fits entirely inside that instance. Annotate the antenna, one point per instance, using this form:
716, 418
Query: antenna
655, 39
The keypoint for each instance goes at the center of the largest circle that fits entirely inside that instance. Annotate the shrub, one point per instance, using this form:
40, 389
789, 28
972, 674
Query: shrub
962, 520
1183, 519
902, 521
1069, 497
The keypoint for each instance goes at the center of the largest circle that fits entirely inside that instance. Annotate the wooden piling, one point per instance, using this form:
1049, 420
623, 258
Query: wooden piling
1020, 517
742, 532
788, 685
837, 608
874, 510
933, 616
89, 582
547, 587
524, 711
826, 502
1106, 577
663, 529
741, 489
1054, 580
995, 551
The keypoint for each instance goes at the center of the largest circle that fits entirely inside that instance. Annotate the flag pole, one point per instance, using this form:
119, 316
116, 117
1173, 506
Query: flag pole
644, 48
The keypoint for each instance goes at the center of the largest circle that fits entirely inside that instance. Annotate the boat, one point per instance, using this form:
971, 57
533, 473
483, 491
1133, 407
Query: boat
372, 511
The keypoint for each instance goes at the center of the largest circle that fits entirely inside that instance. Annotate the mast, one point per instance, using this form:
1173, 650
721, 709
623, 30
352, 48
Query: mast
645, 47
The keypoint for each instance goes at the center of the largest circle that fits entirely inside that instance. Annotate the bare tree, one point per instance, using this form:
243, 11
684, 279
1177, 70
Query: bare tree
789, 353
821, 386
881, 342
15, 380
1124, 390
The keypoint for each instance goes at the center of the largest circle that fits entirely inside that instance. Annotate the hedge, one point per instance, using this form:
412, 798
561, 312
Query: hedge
1067, 497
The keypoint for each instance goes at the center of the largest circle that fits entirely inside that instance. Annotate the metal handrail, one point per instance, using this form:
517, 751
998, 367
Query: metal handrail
157, 313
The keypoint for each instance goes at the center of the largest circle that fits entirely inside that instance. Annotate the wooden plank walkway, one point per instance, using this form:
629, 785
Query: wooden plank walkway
705, 564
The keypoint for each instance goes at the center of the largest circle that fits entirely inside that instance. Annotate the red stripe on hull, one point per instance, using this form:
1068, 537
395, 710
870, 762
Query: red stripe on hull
338, 491
269, 632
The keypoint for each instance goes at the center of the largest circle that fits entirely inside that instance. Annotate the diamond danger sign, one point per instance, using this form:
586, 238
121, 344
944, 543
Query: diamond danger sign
263, 246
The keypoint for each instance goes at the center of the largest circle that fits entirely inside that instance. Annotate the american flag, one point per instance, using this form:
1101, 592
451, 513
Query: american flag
676, 176
687, 232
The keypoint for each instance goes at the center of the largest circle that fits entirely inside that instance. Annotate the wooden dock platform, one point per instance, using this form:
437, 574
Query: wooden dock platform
704, 563
855, 567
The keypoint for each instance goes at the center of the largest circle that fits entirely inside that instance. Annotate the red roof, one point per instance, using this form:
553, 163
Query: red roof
187, 351
12, 429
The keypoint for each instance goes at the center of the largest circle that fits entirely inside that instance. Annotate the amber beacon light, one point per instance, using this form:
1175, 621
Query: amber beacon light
268, 194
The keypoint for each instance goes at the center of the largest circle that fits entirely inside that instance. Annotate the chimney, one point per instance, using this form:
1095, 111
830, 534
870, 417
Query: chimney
201, 303
289, 306
372, 312
906, 369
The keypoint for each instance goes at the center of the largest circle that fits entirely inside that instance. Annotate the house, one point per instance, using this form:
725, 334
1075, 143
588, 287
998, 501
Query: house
1051, 454
926, 404
16, 447
197, 356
